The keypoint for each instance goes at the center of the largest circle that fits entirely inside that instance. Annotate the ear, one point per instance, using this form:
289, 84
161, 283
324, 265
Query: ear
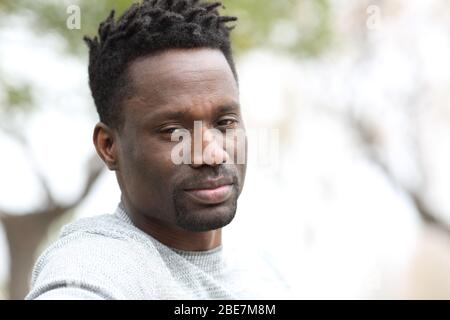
106, 145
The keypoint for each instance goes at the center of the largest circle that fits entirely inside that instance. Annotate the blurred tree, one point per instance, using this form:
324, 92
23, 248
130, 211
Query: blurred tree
299, 27
296, 27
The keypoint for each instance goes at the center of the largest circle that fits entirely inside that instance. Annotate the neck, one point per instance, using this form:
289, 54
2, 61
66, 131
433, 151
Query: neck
172, 236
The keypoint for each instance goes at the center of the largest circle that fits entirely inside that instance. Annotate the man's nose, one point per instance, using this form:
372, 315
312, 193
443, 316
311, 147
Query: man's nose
208, 148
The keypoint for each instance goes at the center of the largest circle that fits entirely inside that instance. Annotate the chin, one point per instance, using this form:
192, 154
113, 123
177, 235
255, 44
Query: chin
206, 218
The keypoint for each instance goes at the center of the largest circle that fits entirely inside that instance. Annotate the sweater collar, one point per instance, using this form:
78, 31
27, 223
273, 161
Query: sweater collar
191, 255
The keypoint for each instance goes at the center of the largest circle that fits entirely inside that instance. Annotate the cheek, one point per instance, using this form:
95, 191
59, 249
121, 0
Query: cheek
236, 146
147, 164
242, 166
242, 169
154, 163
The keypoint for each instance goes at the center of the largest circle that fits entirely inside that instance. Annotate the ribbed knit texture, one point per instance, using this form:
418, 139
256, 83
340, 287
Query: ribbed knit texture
107, 257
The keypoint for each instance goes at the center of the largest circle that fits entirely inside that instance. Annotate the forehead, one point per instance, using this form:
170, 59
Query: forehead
181, 78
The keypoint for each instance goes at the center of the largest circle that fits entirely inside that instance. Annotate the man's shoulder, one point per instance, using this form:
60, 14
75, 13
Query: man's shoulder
101, 251
100, 237
109, 225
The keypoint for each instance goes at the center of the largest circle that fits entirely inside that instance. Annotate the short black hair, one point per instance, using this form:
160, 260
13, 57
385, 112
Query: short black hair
145, 28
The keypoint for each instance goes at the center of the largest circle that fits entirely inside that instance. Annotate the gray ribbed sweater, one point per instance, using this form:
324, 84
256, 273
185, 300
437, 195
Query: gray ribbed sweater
107, 257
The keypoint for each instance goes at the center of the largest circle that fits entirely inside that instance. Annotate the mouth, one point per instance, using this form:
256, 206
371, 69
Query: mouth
211, 192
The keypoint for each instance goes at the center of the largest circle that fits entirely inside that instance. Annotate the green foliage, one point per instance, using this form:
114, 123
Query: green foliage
18, 96
260, 19
303, 23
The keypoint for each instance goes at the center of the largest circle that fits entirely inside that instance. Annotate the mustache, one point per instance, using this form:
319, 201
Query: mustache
220, 174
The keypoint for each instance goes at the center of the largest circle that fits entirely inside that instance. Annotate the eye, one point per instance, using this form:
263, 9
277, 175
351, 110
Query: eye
229, 122
169, 130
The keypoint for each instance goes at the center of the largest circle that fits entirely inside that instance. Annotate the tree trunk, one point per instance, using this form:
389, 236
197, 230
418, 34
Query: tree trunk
24, 233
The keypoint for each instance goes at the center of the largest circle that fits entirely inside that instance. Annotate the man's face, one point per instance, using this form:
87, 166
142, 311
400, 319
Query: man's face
171, 90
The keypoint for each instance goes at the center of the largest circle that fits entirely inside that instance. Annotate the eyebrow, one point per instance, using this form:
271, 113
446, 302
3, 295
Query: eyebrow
233, 106
178, 114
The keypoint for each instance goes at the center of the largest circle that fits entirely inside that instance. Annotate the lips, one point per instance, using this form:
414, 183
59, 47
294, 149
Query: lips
211, 192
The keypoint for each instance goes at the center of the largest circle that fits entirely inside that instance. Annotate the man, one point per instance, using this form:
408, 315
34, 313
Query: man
163, 68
